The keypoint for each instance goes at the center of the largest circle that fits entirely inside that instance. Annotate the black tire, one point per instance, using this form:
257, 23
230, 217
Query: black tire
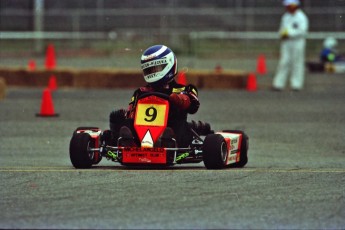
244, 149
214, 151
78, 150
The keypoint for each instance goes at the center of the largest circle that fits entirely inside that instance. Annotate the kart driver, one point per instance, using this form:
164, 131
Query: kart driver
159, 67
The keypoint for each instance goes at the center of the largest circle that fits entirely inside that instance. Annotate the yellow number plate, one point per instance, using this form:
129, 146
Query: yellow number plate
151, 114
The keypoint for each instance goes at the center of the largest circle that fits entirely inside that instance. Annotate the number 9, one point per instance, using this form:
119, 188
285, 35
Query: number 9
151, 114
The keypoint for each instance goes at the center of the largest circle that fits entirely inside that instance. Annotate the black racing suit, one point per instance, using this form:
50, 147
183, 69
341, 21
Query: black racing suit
177, 117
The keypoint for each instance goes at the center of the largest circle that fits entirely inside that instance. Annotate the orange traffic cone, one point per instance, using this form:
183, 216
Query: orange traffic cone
31, 65
47, 107
50, 61
52, 85
251, 82
261, 65
181, 79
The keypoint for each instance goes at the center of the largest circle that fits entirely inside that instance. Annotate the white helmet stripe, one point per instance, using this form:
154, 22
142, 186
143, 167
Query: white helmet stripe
157, 53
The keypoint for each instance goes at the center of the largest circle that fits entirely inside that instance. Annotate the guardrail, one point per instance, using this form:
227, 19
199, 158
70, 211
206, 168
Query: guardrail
250, 35
258, 35
57, 35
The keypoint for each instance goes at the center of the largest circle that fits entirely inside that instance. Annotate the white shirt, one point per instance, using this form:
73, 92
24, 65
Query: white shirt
296, 25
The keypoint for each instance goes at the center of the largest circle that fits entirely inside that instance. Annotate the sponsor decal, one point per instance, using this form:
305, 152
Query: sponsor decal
182, 156
232, 158
144, 155
178, 90
147, 77
154, 63
111, 154
231, 143
144, 150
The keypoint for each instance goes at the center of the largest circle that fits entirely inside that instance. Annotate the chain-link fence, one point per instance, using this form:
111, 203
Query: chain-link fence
190, 26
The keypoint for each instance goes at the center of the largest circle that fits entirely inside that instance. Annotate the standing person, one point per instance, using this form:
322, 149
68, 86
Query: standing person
293, 30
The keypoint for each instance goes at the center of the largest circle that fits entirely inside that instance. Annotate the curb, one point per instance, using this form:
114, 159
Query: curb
115, 78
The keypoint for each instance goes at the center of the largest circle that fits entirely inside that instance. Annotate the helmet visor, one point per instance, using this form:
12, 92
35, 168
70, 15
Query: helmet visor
154, 69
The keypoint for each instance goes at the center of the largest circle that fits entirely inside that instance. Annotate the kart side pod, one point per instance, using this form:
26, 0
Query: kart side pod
225, 149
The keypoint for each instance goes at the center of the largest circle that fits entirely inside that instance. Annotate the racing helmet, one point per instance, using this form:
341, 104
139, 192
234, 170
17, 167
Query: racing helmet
159, 65
330, 43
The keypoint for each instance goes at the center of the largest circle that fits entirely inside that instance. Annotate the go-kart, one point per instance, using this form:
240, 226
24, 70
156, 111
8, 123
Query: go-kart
218, 150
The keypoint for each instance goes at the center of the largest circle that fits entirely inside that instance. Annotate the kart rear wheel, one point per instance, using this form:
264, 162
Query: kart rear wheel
214, 151
79, 152
244, 149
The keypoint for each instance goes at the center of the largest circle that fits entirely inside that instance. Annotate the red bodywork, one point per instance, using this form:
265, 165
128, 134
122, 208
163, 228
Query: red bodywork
150, 121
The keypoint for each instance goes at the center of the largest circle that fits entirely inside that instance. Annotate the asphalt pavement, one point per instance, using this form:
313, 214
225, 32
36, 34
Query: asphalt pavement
294, 178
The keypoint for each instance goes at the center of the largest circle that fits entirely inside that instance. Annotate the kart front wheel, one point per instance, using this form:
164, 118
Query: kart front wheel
214, 151
79, 152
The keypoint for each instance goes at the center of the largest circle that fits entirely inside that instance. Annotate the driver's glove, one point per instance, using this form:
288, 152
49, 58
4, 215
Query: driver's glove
182, 101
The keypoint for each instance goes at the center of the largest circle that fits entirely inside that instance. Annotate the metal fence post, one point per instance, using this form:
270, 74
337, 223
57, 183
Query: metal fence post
38, 24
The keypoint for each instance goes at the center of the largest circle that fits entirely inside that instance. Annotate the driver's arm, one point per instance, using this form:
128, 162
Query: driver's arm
186, 100
192, 93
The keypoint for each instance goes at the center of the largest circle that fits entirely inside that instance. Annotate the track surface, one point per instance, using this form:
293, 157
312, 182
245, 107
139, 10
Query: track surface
294, 179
